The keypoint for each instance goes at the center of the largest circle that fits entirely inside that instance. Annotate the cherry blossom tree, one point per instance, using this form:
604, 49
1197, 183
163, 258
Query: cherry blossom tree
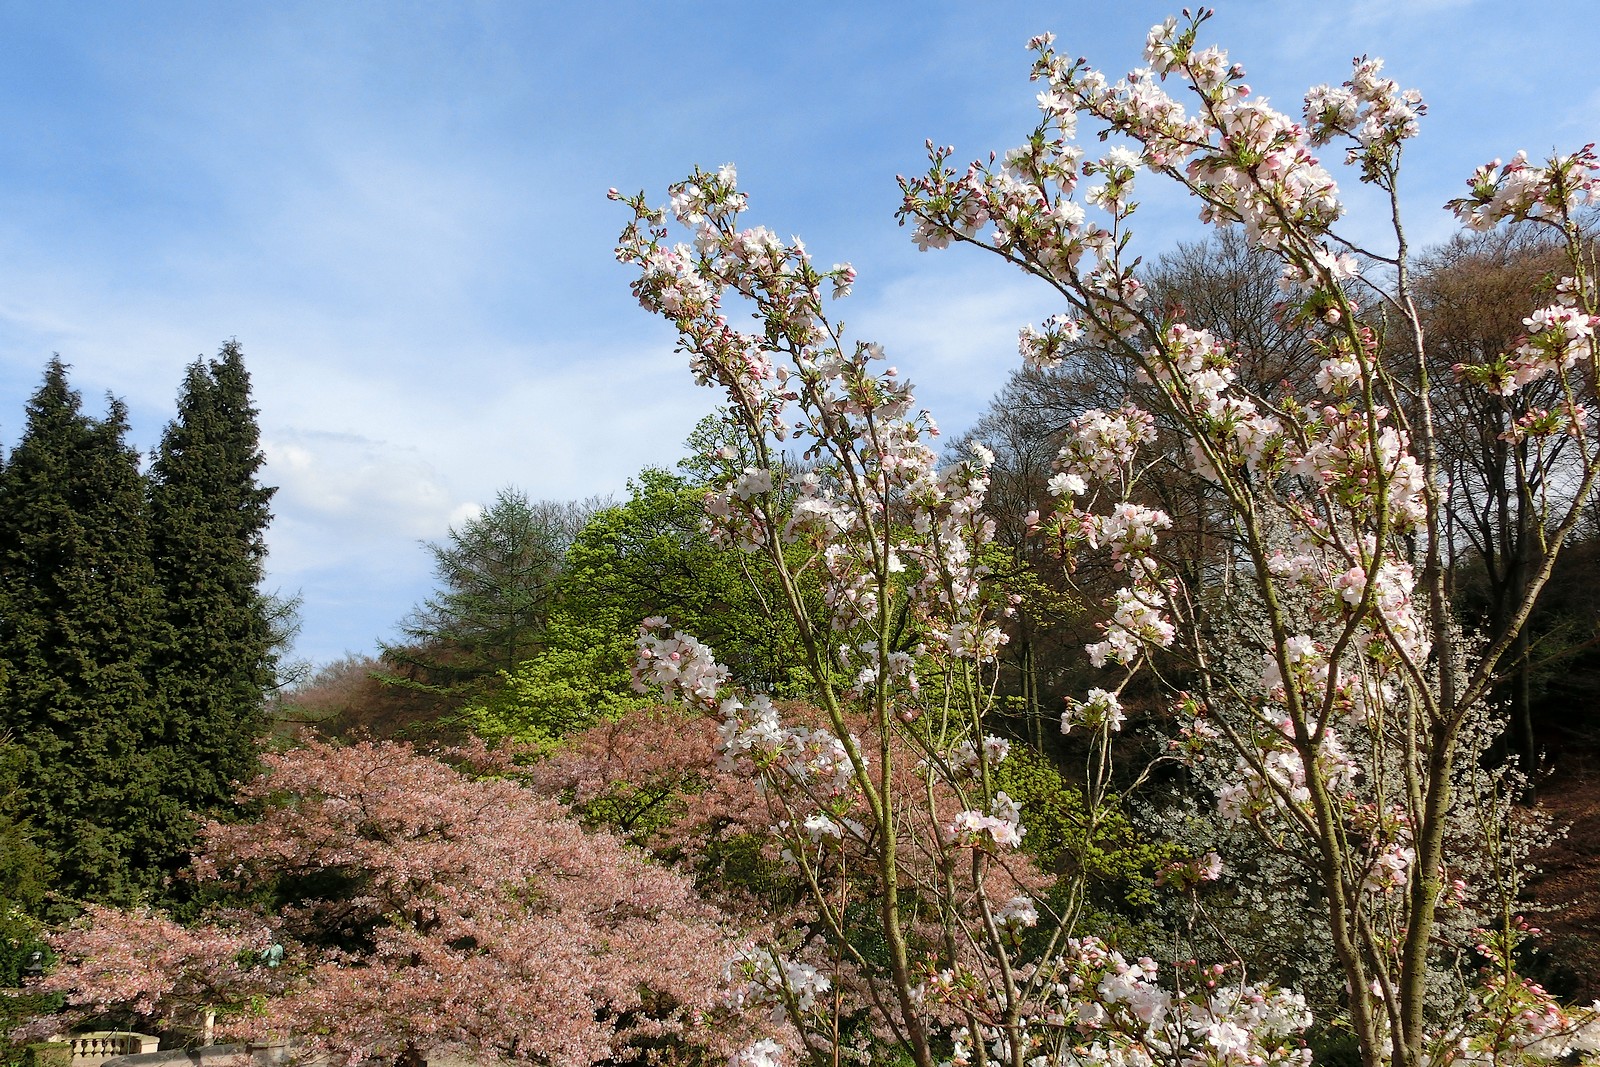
1332, 683
1352, 736
416, 907
143, 963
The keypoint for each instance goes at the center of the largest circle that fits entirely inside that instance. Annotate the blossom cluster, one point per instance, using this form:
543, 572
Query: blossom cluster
678, 664
1102, 710
1099, 1007
1138, 622
1002, 824
1559, 336
759, 979
1519, 190
1274, 773
1247, 162
967, 756
1100, 445
1370, 110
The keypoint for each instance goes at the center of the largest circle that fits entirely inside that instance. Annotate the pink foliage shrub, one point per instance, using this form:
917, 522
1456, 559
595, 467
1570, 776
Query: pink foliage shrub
421, 908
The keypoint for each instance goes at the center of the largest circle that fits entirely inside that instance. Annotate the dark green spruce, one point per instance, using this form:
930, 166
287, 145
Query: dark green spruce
81, 614
213, 658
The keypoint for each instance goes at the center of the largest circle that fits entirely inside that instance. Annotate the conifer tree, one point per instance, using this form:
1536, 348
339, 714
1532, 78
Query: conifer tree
80, 610
213, 660
498, 578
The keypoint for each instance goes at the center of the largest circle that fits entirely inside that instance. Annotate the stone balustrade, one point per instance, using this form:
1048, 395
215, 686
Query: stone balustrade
95, 1046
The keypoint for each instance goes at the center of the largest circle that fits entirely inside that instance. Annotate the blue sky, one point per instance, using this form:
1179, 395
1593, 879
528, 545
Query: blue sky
399, 210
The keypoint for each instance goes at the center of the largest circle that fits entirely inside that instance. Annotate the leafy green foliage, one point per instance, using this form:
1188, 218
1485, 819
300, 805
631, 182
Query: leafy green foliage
648, 556
652, 557
580, 677
1117, 862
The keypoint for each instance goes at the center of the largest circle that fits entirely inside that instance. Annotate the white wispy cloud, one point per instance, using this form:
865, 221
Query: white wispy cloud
403, 219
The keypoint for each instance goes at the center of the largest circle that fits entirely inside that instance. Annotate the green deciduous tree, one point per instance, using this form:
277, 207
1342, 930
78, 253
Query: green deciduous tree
649, 556
653, 557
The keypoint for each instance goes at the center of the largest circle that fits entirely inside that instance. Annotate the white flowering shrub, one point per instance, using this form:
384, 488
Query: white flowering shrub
1339, 723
